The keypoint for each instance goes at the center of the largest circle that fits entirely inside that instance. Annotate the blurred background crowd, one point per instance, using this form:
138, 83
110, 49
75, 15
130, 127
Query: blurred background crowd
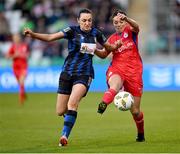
159, 22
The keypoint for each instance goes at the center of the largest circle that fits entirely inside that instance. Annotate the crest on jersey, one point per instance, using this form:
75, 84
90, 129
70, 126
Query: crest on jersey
125, 35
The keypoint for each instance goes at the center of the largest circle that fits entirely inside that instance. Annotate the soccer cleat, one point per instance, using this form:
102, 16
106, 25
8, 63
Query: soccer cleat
63, 141
102, 107
140, 137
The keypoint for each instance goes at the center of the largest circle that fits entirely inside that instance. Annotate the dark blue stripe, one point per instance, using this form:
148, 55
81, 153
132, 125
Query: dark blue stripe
134, 37
73, 62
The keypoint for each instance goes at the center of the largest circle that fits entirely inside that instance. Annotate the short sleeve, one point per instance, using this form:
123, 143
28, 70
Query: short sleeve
101, 37
68, 32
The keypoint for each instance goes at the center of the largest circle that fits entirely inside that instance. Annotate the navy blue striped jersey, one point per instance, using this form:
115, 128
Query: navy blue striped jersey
81, 46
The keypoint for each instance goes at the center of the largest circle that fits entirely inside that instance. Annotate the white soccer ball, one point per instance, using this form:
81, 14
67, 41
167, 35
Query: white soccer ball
123, 100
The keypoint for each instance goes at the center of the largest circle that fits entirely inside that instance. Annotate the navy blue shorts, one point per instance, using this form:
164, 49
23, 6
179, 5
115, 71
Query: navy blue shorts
67, 81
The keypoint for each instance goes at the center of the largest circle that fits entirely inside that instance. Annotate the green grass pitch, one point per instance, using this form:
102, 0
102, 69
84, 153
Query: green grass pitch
35, 127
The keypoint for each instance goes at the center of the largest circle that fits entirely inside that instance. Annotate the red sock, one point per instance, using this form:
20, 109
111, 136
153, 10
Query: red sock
139, 120
21, 89
109, 96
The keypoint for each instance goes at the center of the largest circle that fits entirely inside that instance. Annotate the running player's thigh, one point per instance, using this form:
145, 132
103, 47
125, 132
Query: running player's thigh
61, 105
115, 82
77, 93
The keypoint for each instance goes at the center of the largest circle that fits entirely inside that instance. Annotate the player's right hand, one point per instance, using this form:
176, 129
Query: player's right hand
27, 32
122, 16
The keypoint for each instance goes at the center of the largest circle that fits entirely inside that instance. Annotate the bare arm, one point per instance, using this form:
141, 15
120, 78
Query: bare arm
132, 23
111, 47
43, 37
108, 48
102, 53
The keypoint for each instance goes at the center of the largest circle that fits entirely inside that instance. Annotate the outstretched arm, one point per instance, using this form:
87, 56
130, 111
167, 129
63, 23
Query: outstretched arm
43, 37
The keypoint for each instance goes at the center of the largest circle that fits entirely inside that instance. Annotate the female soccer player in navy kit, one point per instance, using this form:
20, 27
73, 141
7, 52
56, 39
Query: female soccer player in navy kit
77, 71
125, 69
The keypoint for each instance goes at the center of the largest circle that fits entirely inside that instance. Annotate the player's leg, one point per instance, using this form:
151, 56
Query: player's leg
20, 76
138, 117
80, 87
21, 81
115, 82
61, 109
77, 93
61, 104
64, 91
135, 86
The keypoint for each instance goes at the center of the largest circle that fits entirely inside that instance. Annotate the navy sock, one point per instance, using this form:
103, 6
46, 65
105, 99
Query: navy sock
69, 121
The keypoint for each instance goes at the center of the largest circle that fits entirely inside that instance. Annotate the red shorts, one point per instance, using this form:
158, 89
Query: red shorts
20, 70
132, 83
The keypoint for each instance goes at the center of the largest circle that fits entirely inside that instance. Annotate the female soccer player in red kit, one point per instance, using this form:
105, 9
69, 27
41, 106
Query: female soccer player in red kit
125, 70
19, 53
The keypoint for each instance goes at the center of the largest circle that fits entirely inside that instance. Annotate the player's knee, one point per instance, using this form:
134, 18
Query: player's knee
135, 111
60, 112
72, 106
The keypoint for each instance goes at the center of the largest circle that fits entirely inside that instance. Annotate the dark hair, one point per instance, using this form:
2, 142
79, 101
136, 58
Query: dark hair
85, 10
115, 12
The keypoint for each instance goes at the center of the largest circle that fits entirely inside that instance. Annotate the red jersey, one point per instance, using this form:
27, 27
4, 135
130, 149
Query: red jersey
126, 59
20, 63
127, 62
22, 51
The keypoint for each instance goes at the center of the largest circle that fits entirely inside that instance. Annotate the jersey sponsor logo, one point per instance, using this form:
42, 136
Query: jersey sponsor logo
88, 48
127, 46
